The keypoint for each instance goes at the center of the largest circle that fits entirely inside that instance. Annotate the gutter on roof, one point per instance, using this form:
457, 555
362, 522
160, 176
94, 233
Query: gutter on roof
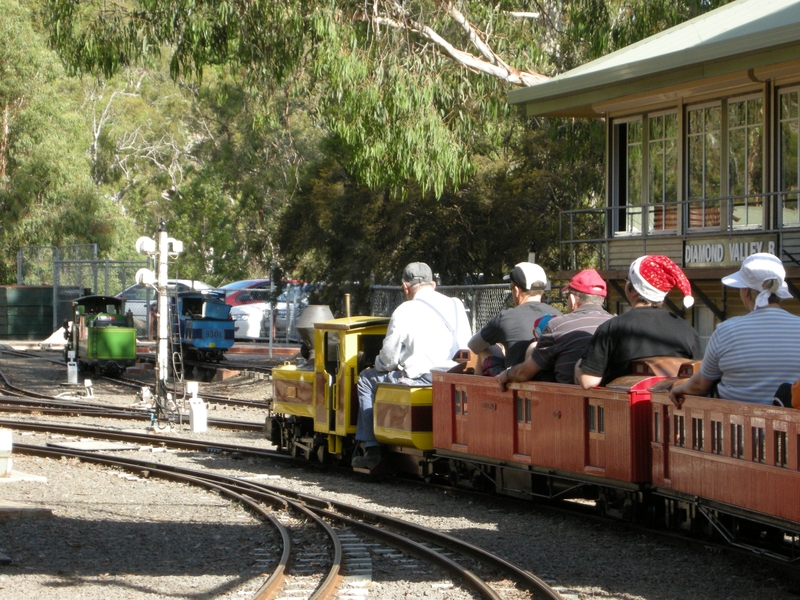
575, 96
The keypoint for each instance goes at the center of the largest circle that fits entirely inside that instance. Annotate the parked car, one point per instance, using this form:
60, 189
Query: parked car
251, 291
253, 320
139, 298
250, 320
247, 291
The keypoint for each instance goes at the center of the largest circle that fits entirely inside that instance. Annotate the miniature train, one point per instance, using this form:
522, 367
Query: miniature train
101, 336
719, 468
204, 324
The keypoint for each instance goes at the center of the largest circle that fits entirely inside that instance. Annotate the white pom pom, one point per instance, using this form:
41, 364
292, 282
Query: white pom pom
688, 301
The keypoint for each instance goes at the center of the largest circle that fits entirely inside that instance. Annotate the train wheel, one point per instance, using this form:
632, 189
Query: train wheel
321, 452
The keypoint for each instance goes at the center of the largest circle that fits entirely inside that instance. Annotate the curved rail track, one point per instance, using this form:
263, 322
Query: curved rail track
426, 544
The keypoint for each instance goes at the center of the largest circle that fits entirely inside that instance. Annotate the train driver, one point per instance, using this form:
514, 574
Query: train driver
502, 342
754, 354
646, 330
564, 339
424, 332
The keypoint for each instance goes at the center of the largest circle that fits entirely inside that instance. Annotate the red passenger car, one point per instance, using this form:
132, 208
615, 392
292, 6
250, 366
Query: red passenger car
545, 439
726, 459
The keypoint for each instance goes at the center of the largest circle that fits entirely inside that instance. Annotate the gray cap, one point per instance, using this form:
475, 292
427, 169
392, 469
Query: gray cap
527, 275
417, 272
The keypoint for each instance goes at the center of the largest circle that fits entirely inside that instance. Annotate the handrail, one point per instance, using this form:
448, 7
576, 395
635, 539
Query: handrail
595, 228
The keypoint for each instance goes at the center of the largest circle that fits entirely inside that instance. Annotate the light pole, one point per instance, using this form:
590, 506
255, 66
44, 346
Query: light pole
166, 248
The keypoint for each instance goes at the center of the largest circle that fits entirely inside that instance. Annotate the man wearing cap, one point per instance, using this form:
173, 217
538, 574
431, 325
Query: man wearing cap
563, 339
512, 328
423, 333
646, 330
751, 355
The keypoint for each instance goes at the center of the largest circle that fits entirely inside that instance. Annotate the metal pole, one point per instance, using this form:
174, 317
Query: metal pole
162, 362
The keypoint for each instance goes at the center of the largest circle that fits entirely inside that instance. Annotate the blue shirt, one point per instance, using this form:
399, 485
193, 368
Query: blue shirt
753, 354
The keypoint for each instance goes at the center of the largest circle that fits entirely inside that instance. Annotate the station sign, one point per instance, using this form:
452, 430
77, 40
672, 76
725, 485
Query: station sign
729, 252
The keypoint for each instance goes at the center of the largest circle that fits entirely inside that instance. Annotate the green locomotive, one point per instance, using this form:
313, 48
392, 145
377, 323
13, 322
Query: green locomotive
101, 335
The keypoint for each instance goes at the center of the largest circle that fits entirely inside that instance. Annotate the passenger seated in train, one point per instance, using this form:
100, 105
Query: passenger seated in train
423, 333
503, 341
646, 330
563, 339
751, 355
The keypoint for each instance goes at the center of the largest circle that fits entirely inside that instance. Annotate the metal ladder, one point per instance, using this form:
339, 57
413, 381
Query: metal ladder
176, 349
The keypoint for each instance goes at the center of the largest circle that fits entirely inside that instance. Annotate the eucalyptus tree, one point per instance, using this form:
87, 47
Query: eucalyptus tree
401, 105
405, 85
46, 193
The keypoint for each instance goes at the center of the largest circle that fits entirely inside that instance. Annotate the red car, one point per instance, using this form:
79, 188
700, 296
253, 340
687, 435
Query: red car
250, 291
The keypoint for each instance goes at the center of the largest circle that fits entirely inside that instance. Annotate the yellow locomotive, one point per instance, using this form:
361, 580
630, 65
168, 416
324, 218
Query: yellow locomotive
315, 404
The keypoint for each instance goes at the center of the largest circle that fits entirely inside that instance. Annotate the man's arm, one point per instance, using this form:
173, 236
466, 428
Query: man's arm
524, 371
586, 380
477, 344
392, 348
697, 385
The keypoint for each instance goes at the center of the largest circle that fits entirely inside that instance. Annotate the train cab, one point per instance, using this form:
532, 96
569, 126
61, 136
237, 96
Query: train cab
315, 403
206, 329
102, 336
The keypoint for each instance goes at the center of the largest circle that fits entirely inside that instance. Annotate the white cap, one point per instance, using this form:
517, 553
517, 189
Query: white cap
526, 275
761, 271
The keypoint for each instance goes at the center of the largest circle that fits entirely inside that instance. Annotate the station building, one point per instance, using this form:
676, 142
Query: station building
702, 153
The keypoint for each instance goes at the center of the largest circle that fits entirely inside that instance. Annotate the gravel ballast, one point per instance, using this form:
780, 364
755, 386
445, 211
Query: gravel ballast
115, 535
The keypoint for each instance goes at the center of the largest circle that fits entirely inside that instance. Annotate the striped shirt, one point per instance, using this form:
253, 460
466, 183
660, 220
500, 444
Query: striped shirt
753, 354
564, 341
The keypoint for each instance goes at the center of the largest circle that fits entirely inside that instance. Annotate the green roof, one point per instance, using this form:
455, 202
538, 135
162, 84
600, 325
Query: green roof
742, 35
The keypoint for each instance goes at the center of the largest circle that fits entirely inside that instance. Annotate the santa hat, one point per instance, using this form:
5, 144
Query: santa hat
654, 276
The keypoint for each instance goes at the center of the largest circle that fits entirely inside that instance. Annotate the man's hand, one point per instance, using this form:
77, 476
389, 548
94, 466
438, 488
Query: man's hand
502, 380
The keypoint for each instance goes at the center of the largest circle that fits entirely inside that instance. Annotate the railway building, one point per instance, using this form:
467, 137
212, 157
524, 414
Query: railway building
702, 153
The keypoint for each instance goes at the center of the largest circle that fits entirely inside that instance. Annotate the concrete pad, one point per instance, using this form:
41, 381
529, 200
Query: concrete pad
20, 476
93, 445
17, 509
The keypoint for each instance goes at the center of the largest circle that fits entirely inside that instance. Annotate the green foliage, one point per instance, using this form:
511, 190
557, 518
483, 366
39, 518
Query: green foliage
597, 27
298, 134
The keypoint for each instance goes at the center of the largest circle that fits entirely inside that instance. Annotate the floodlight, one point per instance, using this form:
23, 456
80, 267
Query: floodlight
145, 245
175, 246
145, 277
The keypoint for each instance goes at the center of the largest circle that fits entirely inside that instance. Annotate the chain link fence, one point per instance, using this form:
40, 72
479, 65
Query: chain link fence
75, 278
482, 302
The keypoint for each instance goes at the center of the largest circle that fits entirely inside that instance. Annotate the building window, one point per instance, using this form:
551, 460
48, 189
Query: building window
789, 125
704, 166
745, 162
628, 177
662, 174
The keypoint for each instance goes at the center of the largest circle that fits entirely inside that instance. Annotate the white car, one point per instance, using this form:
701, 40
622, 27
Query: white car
250, 320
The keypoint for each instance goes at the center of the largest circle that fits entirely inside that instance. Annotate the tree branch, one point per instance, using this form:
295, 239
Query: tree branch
491, 64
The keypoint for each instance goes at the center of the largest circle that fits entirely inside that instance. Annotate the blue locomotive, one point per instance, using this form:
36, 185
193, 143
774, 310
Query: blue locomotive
205, 325
101, 335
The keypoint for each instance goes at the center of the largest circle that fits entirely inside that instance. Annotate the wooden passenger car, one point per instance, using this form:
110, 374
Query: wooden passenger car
555, 427
735, 456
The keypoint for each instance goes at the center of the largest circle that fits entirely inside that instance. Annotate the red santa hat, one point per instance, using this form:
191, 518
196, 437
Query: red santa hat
654, 276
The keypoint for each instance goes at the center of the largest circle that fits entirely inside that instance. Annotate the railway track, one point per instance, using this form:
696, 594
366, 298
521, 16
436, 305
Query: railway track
461, 560
137, 385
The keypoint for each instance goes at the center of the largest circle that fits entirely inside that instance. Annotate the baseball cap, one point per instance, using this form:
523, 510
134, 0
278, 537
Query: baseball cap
587, 281
417, 272
526, 275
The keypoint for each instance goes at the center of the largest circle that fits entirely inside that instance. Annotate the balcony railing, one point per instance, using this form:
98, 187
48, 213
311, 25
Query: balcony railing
585, 234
